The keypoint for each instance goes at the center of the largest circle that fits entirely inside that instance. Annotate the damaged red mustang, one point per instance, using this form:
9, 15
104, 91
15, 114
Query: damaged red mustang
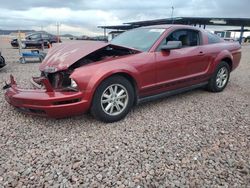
140, 65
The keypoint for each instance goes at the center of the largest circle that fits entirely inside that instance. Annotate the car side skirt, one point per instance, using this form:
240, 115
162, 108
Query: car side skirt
170, 93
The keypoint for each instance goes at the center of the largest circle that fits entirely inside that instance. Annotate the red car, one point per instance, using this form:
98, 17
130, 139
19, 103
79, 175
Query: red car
139, 65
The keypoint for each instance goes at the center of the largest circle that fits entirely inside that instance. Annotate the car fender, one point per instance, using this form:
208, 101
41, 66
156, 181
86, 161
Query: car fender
89, 78
225, 54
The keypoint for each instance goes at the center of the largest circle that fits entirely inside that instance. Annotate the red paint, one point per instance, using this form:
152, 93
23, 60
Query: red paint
62, 56
153, 72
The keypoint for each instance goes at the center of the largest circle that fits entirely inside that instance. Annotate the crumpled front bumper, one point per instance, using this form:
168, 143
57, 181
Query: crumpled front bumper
46, 102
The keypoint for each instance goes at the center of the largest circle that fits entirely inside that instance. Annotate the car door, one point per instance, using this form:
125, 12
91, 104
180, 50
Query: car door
45, 37
32, 40
181, 67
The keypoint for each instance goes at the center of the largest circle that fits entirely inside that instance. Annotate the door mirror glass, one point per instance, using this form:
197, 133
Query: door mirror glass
171, 45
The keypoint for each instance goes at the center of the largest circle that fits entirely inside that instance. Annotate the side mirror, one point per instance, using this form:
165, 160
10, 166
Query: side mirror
171, 45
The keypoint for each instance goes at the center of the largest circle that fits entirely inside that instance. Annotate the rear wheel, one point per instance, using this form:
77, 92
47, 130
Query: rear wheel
113, 99
220, 78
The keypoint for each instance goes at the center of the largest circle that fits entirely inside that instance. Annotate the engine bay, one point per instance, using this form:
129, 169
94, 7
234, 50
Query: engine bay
107, 53
61, 79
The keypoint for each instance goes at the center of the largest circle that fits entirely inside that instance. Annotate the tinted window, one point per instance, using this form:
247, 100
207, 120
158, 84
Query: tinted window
187, 37
141, 39
45, 36
34, 36
212, 38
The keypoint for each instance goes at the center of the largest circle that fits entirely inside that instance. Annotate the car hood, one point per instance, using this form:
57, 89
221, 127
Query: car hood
62, 56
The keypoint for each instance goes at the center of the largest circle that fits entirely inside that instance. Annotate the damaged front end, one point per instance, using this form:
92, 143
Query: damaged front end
46, 101
59, 76
59, 81
56, 94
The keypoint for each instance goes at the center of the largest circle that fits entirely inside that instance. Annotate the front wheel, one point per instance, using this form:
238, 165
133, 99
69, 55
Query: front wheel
220, 78
113, 99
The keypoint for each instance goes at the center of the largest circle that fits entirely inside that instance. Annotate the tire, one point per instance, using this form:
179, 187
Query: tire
22, 60
106, 101
219, 81
2, 62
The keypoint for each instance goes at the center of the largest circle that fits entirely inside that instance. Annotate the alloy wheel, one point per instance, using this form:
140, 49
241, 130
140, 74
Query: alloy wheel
114, 99
222, 77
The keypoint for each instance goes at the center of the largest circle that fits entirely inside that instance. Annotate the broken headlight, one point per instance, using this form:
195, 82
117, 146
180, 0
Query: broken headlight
73, 84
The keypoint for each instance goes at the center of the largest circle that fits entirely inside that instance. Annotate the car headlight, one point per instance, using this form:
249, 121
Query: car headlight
73, 84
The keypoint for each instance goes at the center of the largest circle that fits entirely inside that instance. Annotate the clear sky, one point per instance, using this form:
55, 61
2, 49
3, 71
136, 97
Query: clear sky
81, 17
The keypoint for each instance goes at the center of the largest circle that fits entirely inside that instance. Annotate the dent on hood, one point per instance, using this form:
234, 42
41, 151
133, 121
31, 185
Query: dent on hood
61, 56
76, 54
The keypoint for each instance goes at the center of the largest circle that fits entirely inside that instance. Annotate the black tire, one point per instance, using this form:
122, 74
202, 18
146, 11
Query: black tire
2, 61
97, 109
212, 85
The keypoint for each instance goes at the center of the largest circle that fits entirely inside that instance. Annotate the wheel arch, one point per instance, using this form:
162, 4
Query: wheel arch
225, 56
127, 76
229, 62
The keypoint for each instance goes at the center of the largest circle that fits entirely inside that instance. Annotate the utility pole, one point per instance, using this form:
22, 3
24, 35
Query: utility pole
172, 14
58, 31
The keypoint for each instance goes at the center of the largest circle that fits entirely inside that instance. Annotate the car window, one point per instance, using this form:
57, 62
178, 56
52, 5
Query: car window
212, 38
141, 38
34, 36
45, 36
188, 38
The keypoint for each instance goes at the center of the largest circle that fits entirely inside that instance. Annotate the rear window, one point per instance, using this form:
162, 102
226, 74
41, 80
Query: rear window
212, 38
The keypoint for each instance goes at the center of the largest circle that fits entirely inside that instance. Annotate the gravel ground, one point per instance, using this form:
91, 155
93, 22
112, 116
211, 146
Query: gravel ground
196, 139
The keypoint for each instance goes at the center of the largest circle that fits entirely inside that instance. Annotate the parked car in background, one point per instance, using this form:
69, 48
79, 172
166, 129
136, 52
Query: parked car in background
2, 61
229, 39
139, 65
36, 40
83, 37
96, 38
247, 39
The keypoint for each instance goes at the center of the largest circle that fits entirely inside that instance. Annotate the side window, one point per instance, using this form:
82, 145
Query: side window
34, 37
188, 38
45, 36
212, 38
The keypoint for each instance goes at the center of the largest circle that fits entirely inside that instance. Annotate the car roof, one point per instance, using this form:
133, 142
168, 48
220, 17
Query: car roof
38, 32
168, 26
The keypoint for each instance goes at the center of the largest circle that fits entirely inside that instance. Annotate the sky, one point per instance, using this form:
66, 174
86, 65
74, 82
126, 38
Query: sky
81, 17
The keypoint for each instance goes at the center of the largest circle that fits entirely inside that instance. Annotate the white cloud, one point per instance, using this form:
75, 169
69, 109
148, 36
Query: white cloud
84, 22
83, 16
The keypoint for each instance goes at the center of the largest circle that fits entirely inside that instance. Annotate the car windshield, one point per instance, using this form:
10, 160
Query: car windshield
141, 39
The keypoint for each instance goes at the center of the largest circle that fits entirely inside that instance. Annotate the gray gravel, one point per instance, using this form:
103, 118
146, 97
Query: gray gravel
196, 139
